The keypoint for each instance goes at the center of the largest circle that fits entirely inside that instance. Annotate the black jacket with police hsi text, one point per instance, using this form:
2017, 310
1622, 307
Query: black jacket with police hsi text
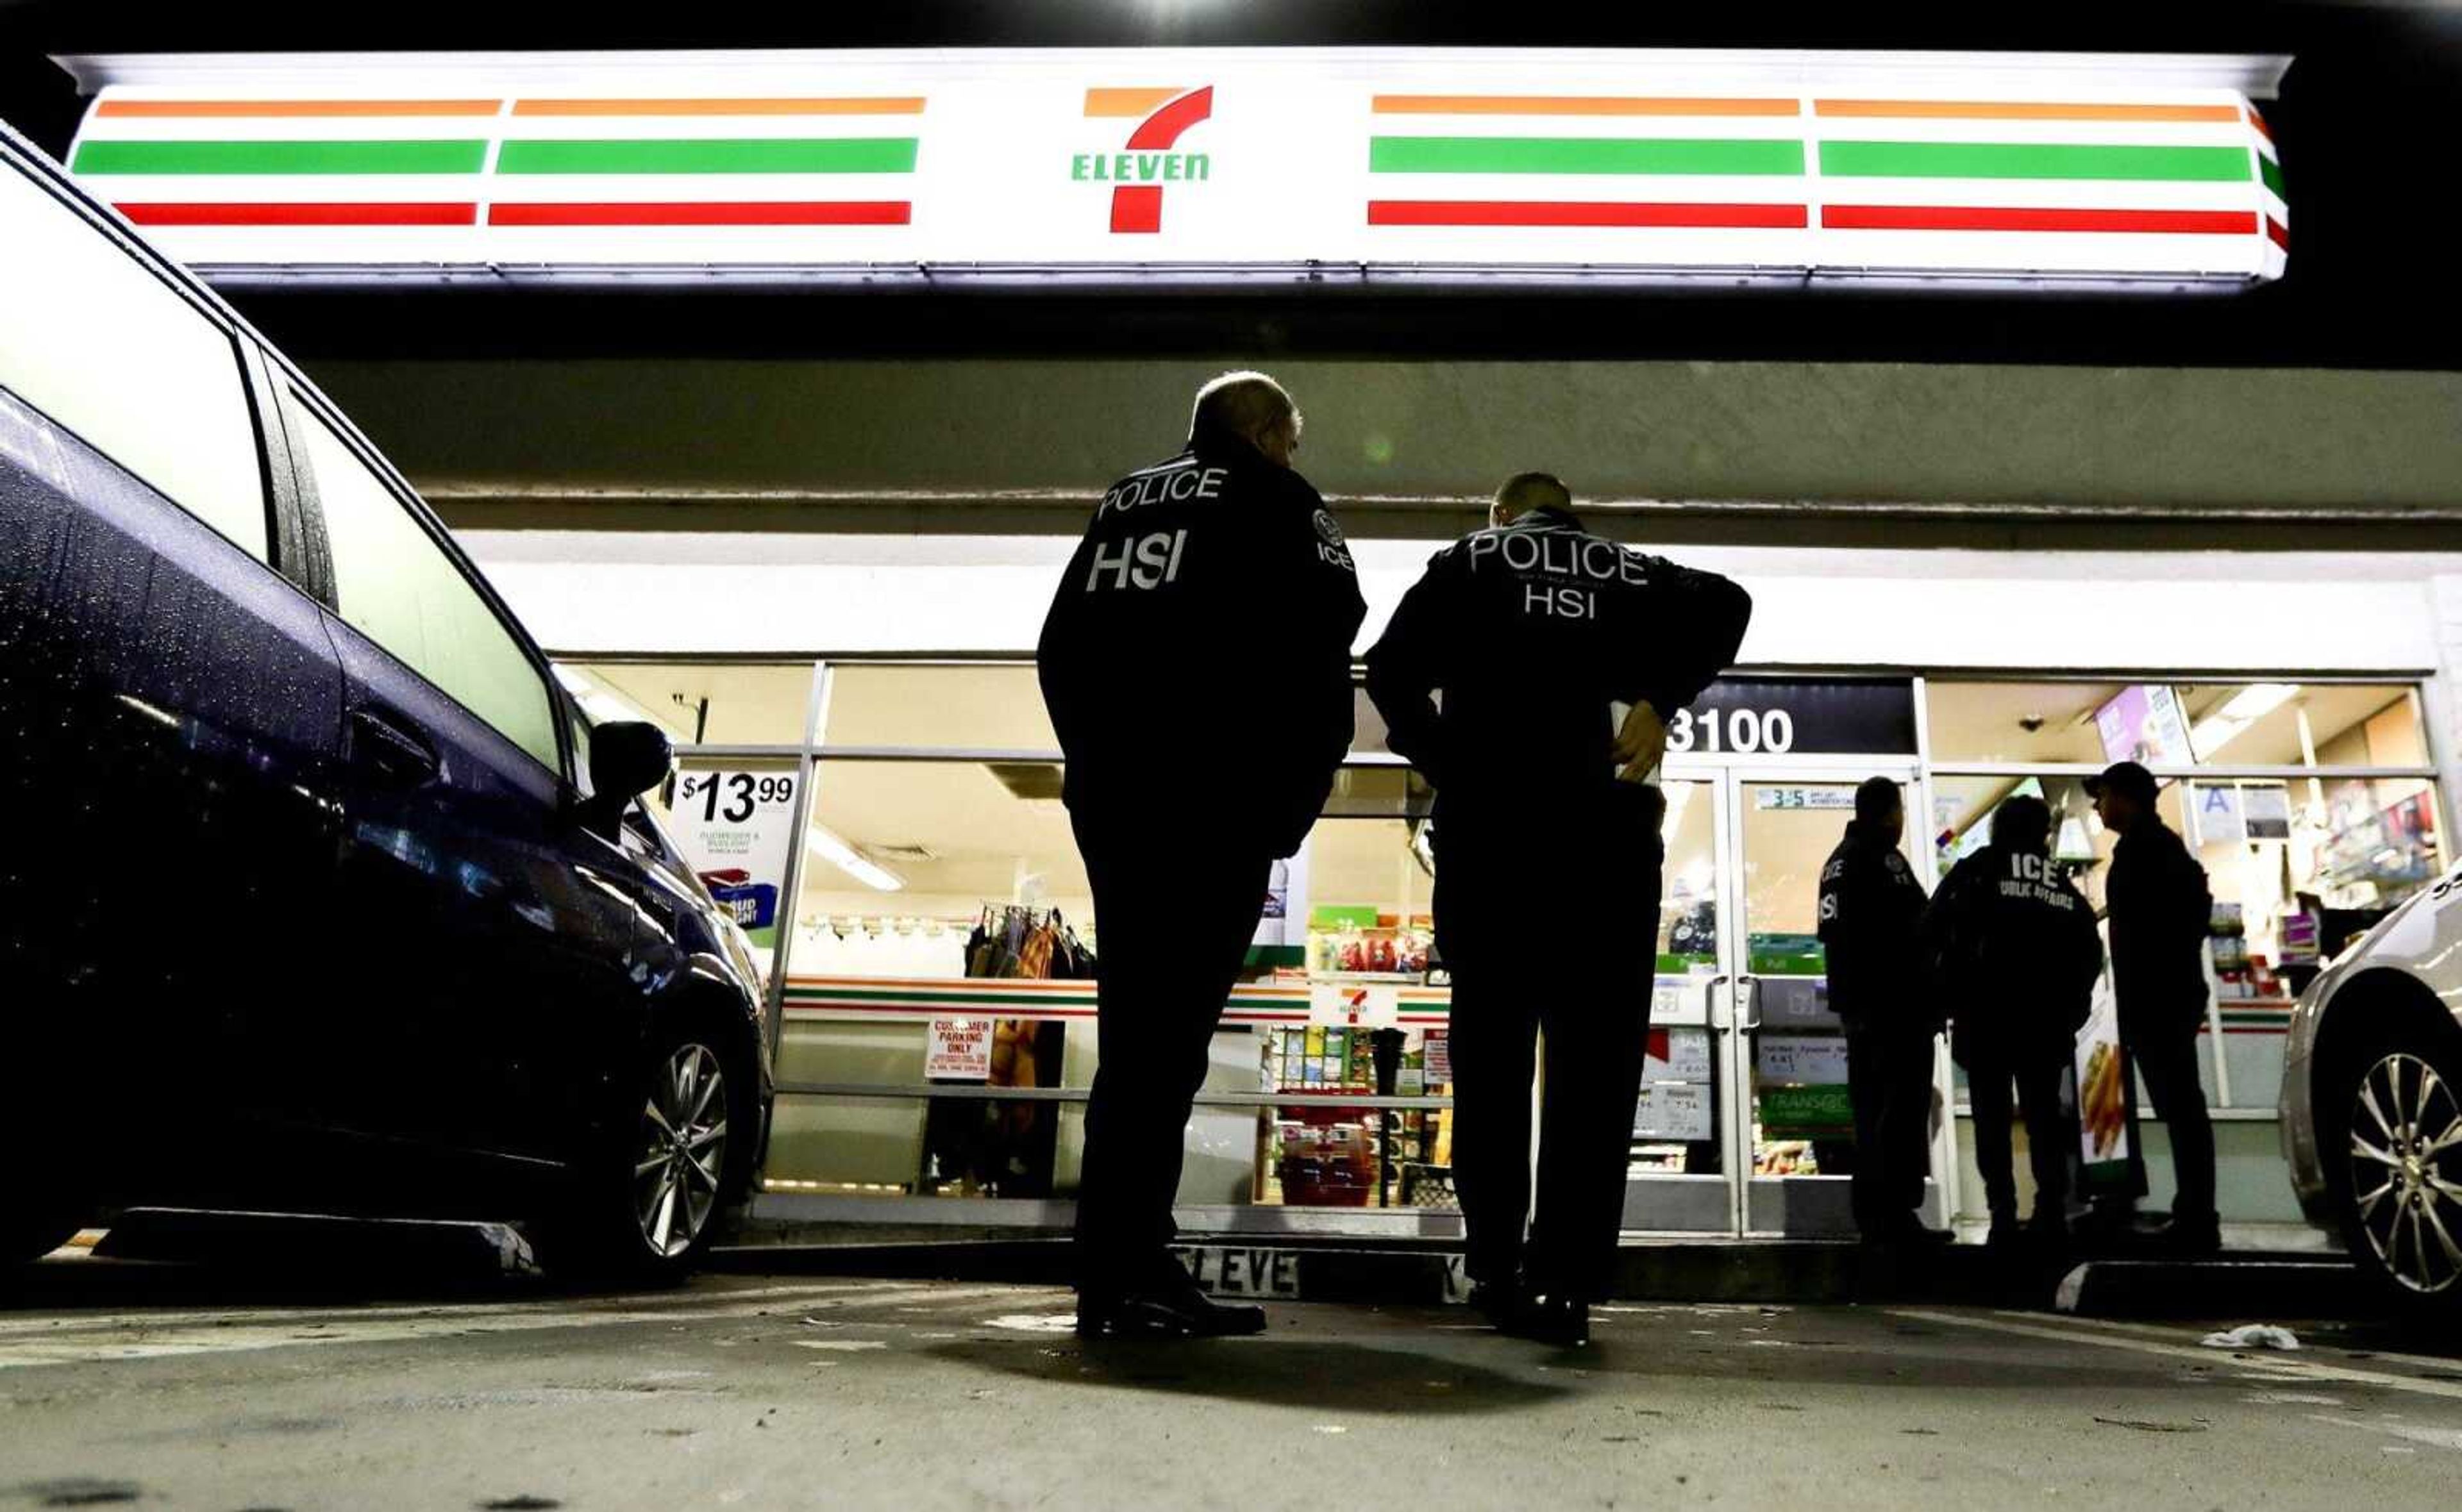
2162, 909
1531, 630
1872, 927
1196, 657
2018, 951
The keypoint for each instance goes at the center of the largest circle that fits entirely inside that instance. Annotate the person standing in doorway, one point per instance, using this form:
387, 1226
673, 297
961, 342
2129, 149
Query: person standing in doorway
2019, 957
1547, 850
1871, 922
2161, 909
1215, 573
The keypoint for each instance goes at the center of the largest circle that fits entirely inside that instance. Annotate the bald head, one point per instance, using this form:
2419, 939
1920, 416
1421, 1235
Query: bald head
1525, 491
1254, 408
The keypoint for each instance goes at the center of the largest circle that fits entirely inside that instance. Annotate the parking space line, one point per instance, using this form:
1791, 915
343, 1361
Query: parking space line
51, 1324
2289, 1365
2426, 1362
139, 1337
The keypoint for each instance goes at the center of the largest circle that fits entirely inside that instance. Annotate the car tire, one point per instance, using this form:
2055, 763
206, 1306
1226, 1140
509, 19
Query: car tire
653, 1198
2390, 1136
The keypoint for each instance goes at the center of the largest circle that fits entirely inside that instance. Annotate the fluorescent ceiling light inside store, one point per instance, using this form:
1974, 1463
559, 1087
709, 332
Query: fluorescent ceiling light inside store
852, 862
2233, 719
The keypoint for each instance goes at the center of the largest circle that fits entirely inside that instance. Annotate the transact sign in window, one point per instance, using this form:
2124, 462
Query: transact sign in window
1203, 165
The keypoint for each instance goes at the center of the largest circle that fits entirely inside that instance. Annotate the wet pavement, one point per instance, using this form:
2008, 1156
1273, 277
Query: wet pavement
167, 1386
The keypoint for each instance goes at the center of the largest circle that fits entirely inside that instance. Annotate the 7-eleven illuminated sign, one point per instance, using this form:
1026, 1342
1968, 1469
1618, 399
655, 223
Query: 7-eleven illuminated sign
1139, 174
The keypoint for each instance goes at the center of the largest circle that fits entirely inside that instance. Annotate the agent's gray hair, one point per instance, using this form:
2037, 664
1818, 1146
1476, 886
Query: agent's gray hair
1242, 403
1525, 491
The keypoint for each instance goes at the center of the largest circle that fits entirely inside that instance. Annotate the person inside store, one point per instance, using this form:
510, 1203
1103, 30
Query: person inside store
1548, 852
1871, 920
2016, 954
2161, 909
1196, 662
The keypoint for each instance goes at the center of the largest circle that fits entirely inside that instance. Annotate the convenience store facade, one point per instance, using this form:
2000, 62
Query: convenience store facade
824, 578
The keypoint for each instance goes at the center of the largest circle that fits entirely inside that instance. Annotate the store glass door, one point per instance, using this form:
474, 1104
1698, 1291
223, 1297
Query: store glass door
1681, 1178
1793, 1126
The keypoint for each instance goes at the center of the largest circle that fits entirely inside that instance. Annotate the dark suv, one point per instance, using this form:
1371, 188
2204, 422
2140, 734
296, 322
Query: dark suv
316, 891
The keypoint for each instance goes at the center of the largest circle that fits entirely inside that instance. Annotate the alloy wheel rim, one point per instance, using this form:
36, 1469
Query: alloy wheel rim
681, 1152
2407, 1172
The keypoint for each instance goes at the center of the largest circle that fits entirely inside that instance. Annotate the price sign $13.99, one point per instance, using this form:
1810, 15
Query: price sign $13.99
731, 797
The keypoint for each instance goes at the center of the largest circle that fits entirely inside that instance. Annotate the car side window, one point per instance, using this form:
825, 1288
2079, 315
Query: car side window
394, 584
107, 348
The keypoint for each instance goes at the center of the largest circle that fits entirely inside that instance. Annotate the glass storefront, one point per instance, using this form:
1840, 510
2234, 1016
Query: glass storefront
892, 835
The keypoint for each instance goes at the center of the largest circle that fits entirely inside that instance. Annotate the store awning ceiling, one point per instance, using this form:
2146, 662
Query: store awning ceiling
1151, 167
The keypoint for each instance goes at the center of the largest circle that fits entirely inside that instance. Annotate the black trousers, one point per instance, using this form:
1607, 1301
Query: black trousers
2051, 1128
1172, 927
2161, 1045
1888, 1079
1582, 977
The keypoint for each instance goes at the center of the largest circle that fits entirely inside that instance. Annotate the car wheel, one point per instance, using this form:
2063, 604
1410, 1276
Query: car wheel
653, 1204
2399, 1166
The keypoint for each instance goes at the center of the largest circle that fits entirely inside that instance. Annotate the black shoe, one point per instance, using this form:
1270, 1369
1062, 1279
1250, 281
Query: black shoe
1499, 1301
1165, 1312
1914, 1235
2105, 1221
1560, 1321
2190, 1239
2047, 1234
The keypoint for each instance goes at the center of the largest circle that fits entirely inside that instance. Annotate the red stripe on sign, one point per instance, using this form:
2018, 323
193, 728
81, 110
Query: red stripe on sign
1580, 212
2258, 121
2278, 233
1992, 218
707, 212
201, 214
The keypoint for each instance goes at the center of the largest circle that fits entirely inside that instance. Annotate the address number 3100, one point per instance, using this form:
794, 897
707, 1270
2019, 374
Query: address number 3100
1741, 732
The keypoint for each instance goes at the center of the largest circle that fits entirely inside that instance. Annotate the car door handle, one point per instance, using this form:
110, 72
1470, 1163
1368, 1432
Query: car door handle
400, 756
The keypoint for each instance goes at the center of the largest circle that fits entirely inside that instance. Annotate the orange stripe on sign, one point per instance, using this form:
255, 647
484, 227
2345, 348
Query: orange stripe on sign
1135, 103
886, 105
1576, 105
2023, 110
294, 108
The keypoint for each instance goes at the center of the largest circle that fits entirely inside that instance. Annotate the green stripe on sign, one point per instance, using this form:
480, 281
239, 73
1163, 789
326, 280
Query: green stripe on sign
281, 157
1581, 155
2271, 172
2000, 160
756, 154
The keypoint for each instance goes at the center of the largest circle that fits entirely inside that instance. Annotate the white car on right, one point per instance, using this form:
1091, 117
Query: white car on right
2372, 1102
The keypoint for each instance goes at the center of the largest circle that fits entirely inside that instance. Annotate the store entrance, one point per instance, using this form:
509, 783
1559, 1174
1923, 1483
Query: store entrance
1745, 1125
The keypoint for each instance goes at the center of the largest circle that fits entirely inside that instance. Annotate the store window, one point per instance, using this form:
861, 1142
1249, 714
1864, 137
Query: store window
2312, 807
2177, 723
699, 702
937, 706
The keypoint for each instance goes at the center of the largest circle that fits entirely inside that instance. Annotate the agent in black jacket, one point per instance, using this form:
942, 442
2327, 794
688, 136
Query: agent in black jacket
1871, 923
1532, 630
1197, 666
2162, 911
2019, 957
